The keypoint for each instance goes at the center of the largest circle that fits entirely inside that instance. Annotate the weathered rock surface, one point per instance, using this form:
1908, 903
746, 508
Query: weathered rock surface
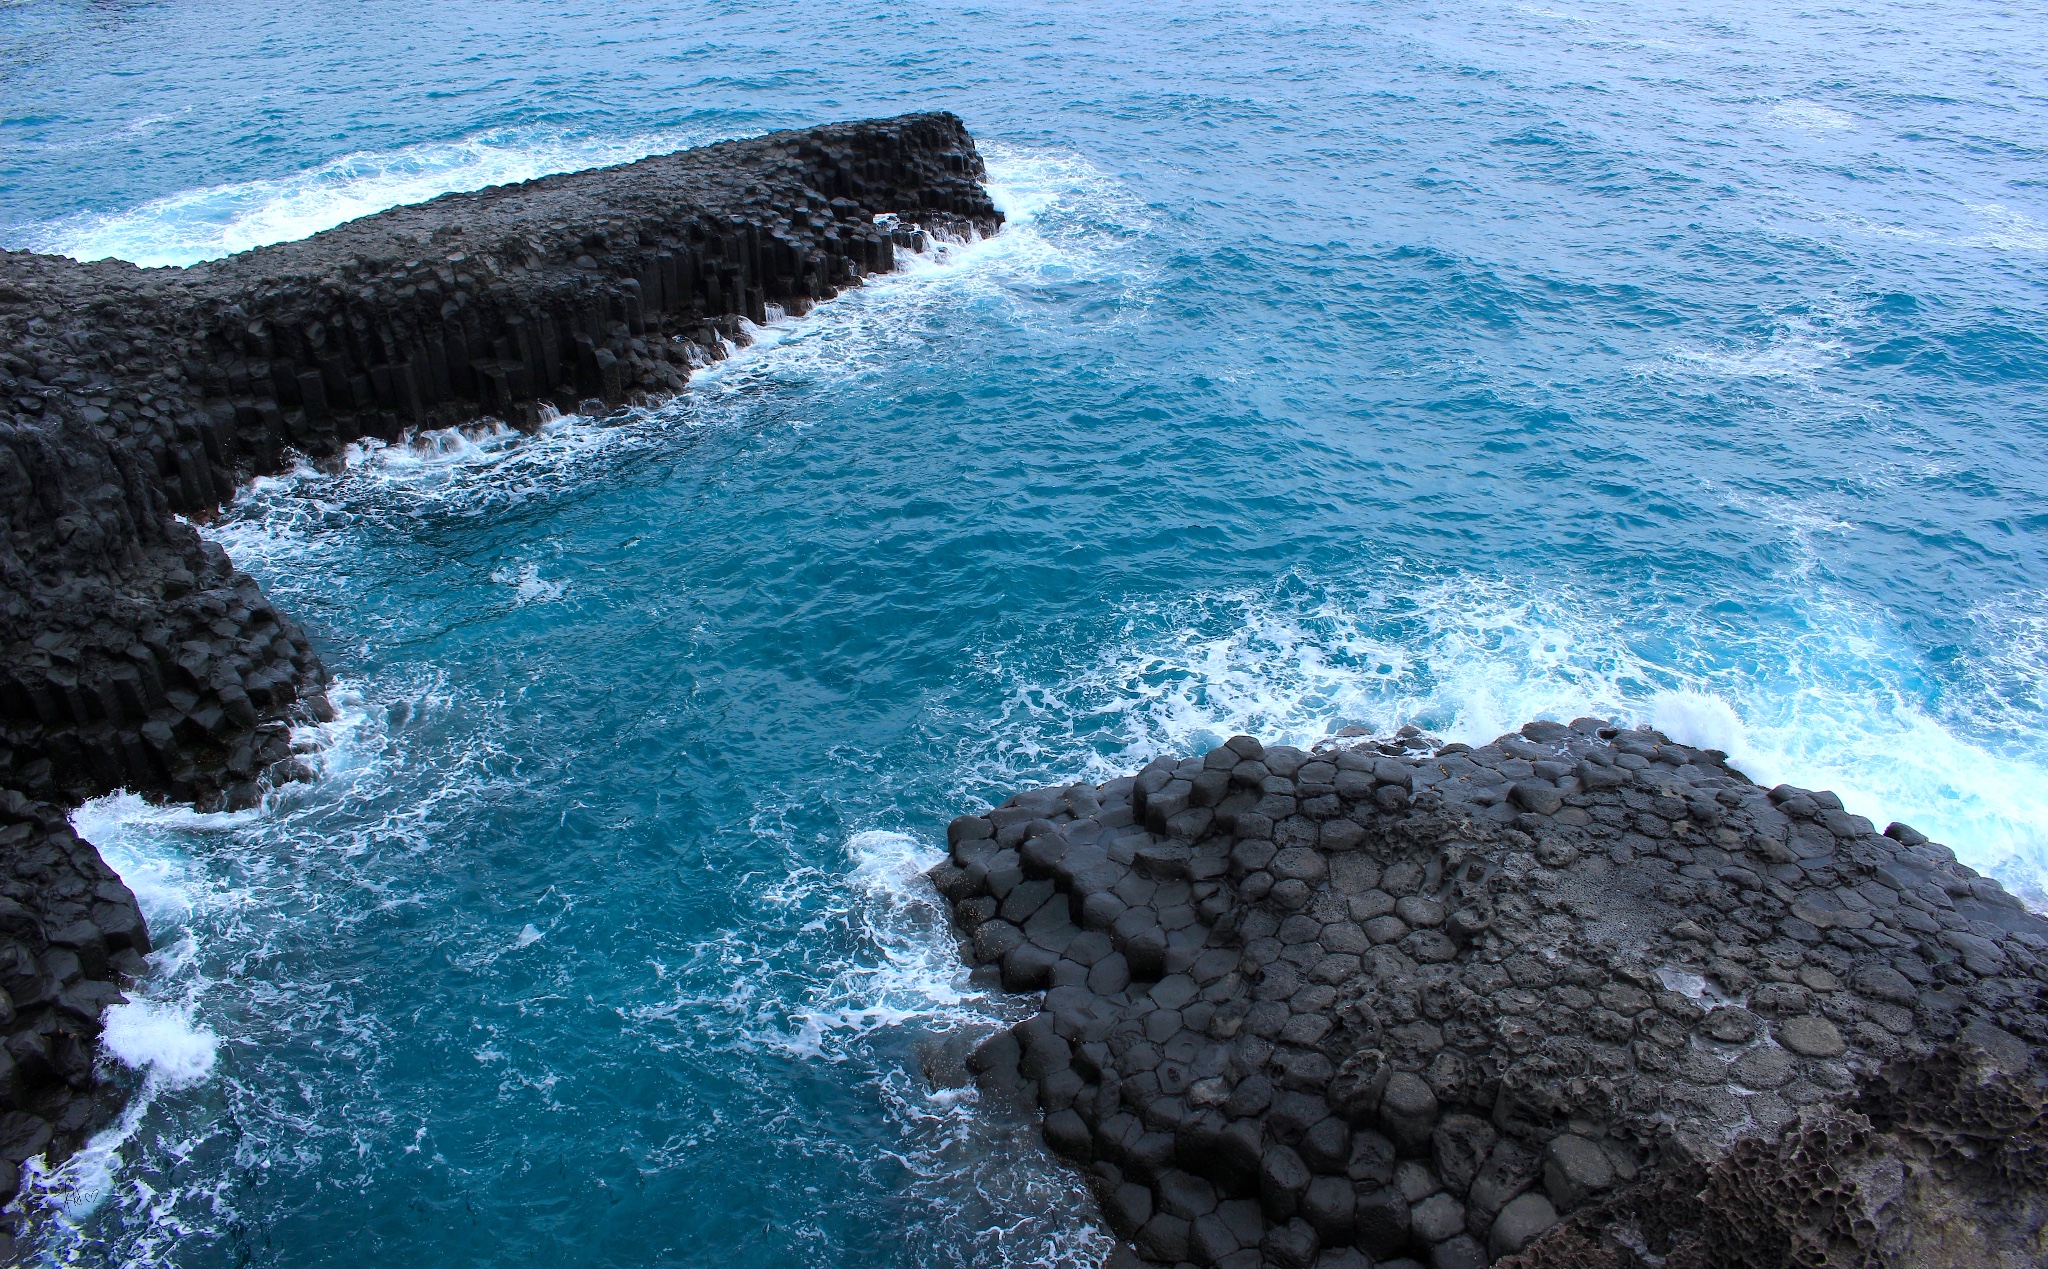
133, 654
1579, 997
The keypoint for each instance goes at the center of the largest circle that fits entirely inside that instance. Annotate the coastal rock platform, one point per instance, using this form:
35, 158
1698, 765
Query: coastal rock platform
1581, 997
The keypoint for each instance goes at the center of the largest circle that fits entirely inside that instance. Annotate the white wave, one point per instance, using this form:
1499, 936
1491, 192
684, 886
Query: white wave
1811, 116
1067, 225
2007, 229
1889, 758
1829, 696
75, 1189
205, 224
162, 1040
892, 960
840, 966
167, 887
158, 1039
1703, 721
297, 526
1800, 359
1028, 184
529, 586
911, 971
154, 1032
469, 445
1799, 346
1464, 660
2008, 664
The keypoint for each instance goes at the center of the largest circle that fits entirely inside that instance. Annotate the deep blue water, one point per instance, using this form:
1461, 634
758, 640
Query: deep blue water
1455, 363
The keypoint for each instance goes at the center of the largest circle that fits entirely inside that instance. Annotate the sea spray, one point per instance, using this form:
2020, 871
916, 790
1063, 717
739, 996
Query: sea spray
1468, 658
160, 1040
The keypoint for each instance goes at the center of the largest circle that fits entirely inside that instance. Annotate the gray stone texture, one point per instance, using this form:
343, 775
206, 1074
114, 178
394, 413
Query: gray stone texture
1479, 1025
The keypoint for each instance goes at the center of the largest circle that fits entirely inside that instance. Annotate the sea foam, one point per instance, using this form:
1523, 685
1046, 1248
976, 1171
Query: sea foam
162, 1040
1835, 700
220, 220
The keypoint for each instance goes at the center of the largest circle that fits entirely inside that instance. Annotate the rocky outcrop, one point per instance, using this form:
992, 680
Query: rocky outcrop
132, 653
133, 401
1579, 997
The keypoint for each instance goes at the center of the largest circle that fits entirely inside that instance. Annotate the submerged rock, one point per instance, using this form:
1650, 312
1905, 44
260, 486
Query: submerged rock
1579, 997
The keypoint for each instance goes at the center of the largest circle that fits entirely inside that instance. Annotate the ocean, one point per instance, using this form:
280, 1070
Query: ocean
1350, 365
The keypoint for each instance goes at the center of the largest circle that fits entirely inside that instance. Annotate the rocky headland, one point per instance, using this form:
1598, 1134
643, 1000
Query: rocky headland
134, 402
1581, 998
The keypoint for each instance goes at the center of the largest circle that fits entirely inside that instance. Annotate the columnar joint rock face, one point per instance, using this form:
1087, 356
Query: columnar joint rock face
131, 654
1579, 997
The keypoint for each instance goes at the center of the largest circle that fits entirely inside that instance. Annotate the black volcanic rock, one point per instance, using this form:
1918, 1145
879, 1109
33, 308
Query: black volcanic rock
1581, 998
131, 652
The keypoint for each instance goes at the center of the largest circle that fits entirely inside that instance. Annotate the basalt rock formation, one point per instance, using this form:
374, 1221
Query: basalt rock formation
133, 401
132, 654
1581, 998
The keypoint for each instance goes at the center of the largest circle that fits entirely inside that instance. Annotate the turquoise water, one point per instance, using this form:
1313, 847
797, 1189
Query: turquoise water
1347, 365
